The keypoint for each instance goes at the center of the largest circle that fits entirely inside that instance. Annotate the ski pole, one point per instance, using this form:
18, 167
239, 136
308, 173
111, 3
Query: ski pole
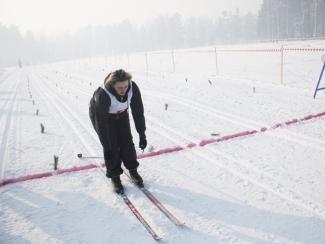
79, 155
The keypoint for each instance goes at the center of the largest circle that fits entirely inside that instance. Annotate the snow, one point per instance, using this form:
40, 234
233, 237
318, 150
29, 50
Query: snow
264, 188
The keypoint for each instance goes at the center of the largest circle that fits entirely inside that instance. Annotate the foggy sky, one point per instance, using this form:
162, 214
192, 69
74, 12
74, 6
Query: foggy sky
59, 16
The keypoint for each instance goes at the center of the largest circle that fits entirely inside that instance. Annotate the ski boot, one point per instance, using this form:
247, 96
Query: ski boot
136, 178
117, 185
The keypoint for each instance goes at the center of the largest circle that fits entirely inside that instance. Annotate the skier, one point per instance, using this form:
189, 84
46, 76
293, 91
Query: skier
108, 112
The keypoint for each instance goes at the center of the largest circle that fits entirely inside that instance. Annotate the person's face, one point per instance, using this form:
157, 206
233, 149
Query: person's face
121, 87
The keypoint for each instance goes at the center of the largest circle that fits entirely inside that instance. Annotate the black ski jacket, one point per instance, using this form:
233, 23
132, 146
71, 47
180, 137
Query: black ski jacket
100, 118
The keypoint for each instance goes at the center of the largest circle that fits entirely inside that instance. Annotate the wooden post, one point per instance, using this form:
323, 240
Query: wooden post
56, 162
147, 65
173, 61
216, 58
281, 68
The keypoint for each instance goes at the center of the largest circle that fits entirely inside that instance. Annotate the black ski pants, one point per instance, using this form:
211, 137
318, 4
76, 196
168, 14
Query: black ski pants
121, 147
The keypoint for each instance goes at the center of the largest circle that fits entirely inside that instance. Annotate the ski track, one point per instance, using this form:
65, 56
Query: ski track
72, 122
60, 117
14, 135
7, 123
223, 229
294, 200
6, 76
304, 140
247, 163
53, 102
7, 97
66, 112
276, 188
239, 120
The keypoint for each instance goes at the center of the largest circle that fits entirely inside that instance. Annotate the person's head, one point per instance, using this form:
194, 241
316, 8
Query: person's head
119, 80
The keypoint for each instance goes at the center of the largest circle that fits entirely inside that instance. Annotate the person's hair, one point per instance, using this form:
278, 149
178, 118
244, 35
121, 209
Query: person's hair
117, 76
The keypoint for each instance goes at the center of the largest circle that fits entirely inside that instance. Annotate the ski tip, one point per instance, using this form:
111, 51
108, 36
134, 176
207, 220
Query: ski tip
122, 194
182, 225
157, 238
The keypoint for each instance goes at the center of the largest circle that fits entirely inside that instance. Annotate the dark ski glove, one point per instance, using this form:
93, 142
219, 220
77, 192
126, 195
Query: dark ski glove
143, 141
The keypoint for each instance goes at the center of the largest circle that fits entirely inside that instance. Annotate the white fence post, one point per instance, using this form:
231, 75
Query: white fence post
173, 61
281, 68
147, 65
216, 57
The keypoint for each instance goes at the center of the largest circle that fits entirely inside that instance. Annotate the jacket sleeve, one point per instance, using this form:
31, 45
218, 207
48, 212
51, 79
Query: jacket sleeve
137, 109
101, 106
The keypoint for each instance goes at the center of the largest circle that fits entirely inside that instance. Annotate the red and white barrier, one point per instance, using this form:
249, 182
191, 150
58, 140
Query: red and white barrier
280, 49
46, 174
305, 49
167, 150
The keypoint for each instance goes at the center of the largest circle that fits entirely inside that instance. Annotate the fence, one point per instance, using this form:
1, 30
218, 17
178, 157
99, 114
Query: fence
297, 66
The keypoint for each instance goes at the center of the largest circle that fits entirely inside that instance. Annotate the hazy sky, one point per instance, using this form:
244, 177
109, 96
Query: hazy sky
58, 16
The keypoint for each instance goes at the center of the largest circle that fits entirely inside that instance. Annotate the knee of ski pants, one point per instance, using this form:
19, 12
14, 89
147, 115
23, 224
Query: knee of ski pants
128, 154
111, 173
131, 165
111, 154
112, 163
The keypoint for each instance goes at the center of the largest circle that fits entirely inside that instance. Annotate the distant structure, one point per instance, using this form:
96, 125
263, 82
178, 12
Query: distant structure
20, 63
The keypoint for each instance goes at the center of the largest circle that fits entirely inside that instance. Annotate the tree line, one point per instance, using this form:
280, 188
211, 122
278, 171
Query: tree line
277, 19
281, 19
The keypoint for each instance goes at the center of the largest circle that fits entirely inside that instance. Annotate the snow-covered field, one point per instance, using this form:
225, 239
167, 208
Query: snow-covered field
263, 188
